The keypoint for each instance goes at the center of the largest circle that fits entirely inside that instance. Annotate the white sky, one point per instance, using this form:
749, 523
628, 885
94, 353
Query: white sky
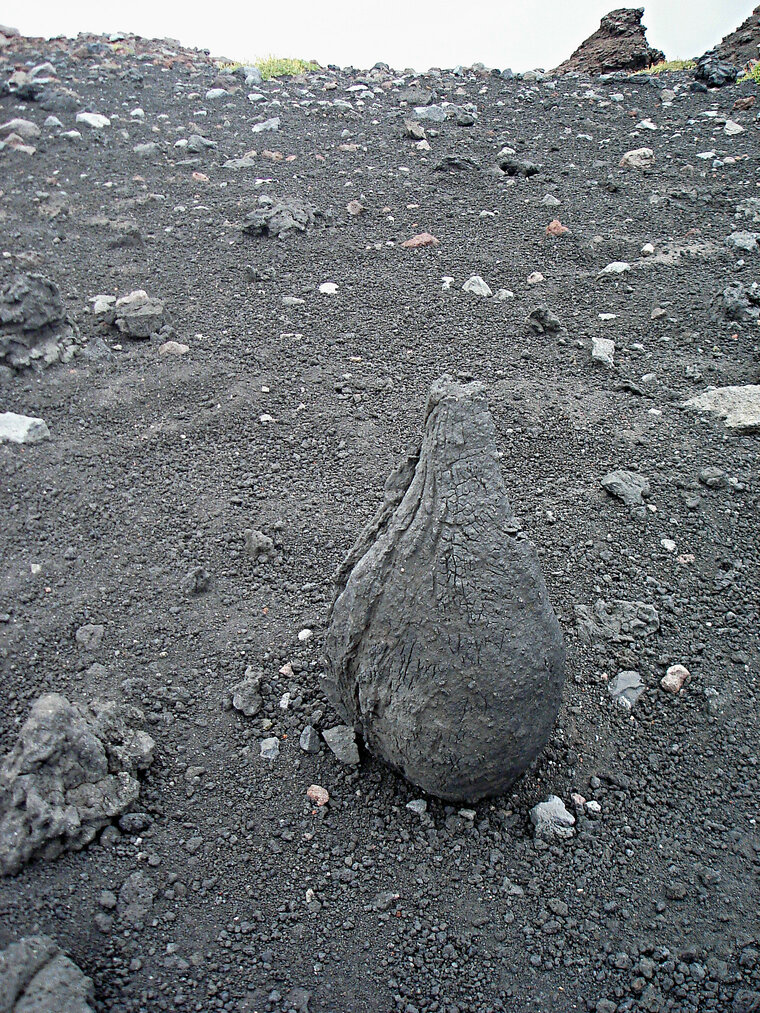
404, 33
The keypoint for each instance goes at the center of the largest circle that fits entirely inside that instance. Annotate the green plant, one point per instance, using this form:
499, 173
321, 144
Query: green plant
752, 73
669, 65
279, 66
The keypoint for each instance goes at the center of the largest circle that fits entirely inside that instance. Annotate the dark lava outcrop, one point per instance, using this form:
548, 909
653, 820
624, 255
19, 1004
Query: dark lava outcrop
620, 43
443, 649
36, 976
743, 44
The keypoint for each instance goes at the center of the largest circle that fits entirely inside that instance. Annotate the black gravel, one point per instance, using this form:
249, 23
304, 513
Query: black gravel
232, 890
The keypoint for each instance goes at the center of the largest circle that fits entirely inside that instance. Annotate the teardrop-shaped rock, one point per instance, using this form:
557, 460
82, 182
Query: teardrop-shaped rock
443, 650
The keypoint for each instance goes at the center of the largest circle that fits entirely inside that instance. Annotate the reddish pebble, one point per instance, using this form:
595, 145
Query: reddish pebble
316, 793
674, 678
423, 239
556, 228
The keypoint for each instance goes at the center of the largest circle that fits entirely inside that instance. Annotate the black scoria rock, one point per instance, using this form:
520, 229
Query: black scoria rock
443, 649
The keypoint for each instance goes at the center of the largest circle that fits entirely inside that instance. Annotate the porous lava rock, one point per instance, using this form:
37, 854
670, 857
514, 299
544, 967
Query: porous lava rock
71, 771
36, 976
743, 44
35, 329
620, 43
443, 650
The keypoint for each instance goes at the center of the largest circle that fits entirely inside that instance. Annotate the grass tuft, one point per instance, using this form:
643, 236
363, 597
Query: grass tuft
752, 73
279, 66
669, 65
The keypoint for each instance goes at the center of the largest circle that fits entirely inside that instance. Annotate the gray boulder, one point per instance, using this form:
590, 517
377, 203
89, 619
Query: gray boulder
36, 976
35, 329
72, 770
629, 486
443, 650
278, 218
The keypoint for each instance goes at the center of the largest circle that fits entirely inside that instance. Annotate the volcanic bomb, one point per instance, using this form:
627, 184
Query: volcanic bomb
443, 649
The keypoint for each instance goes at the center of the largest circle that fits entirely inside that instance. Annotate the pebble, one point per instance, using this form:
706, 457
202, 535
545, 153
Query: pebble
639, 158
477, 286
94, 120
269, 748
173, 348
616, 267
535, 278
552, 821
674, 679
328, 288
417, 805
309, 740
342, 742
603, 351
316, 793
626, 688
271, 124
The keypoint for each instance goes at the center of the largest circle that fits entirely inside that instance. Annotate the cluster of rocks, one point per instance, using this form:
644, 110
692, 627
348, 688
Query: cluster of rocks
71, 772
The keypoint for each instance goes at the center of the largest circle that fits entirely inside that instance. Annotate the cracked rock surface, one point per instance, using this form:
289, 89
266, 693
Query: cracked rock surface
72, 770
443, 648
36, 976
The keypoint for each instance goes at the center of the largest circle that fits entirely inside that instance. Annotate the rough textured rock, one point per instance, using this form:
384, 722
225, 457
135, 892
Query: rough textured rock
552, 821
743, 44
137, 315
34, 327
443, 649
618, 621
72, 770
278, 218
739, 406
620, 43
36, 976
628, 486
738, 302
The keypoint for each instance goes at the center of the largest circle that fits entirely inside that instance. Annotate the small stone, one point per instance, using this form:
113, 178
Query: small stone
550, 201
267, 125
309, 740
639, 158
245, 696
626, 688
731, 127
552, 821
417, 805
668, 544
270, 748
603, 351
647, 250
22, 428
215, 93
94, 120
304, 635
738, 405
616, 267
713, 478
317, 794
90, 636
674, 679
556, 228
197, 580
422, 239
342, 742
328, 288
260, 547
535, 278
477, 286
173, 348
25, 129
355, 208
629, 486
